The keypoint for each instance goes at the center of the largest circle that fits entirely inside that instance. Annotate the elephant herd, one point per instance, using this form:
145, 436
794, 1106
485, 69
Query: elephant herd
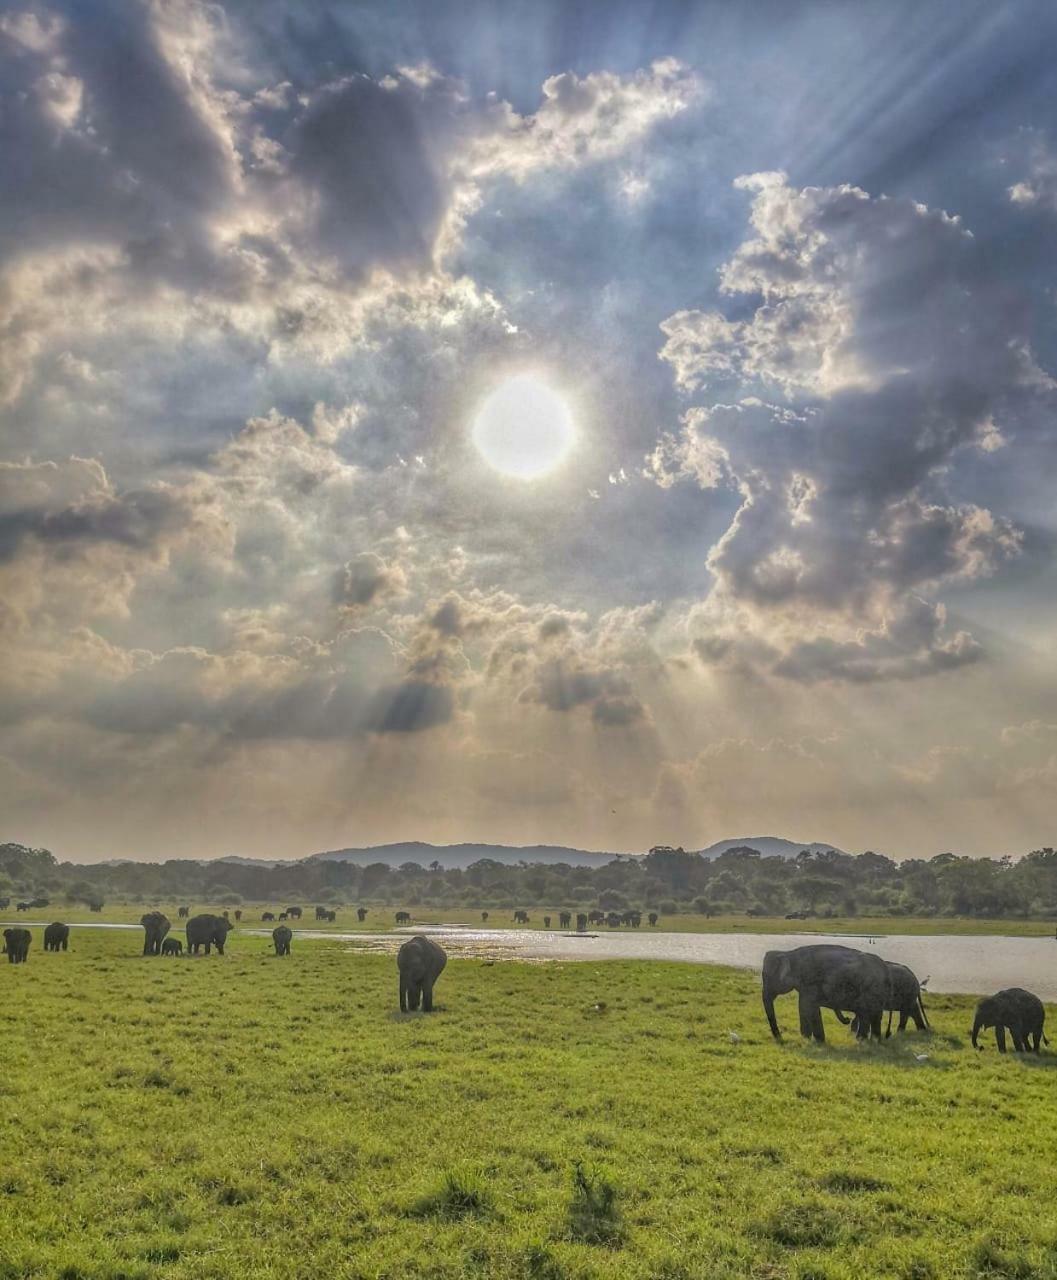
860, 988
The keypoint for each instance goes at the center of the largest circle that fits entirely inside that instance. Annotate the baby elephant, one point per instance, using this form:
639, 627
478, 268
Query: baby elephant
57, 937
420, 962
1016, 1009
282, 938
172, 947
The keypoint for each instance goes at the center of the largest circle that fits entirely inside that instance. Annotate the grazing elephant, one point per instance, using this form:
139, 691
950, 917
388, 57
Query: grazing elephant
597, 917
57, 937
904, 998
282, 916
172, 947
238, 914
183, 913
565, 919
294, 913
155, 927
16, 944
267, 915
207, 931
282, 937
420, 962
521, 917
22, 906
484, 916
1017, 1009
546, 922
331, 917
403, 917
321, 913
653, 917
636, 919
613, 920
361, 914
827, 976
581, 921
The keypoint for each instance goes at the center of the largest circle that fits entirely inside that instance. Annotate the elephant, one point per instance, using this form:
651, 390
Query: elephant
207, 931
22, 906
155, 927
613, 920
172, 947
267, 915
1017, 1009
546, 922
183, 913
581, 921
484, 916
636, 919
331, 917
16, 944
238, 915
904, 998
95, 906
403, 917
653, 917
796, 915
420, 962
38, 902
521, 917
597, 917
827, 976
361, 914
282, 938
4, 903
294, 913
282, 916
57, 937
321, 913
565, 919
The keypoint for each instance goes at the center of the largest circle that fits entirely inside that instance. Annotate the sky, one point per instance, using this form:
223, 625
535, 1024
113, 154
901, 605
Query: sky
784, 275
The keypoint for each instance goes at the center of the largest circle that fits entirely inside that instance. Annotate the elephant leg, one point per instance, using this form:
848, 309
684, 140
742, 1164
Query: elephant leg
403, 994
427, 996
1018, 1040
1000, 1037
817, 1029
806, 1007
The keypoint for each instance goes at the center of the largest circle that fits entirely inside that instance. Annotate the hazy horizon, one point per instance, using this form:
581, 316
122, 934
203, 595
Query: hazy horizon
604, 429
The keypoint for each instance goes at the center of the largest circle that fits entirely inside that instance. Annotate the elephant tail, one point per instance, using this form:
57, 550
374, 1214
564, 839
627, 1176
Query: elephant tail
842, 1018
924, 1015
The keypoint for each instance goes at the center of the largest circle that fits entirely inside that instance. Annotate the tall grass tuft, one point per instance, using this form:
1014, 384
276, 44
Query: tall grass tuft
593, 1216
462, 1193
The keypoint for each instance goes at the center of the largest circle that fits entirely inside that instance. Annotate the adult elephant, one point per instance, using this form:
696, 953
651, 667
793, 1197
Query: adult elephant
904, 998
403, 917
546, 922
420, 963
653, 918
57, 937
565, 919
294, 913
521, 917
267, 915
581, 921
831, 977
282, 937
184, 912
207, 931
155, 926
172, 947
1016, 1009
16, 944
361, 914
484, 917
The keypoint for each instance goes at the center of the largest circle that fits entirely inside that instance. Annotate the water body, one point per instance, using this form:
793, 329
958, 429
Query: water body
951, 963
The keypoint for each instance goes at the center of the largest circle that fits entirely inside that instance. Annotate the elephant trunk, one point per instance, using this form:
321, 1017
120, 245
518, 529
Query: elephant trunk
921, 1010
978, 1024
768, 1008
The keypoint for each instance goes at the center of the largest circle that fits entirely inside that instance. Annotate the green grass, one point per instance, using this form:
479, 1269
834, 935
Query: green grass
262, 1117
380, 919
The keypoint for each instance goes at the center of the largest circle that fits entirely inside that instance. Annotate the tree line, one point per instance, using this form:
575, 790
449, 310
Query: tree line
669, 880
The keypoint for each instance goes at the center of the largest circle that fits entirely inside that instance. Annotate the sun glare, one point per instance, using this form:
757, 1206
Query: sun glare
524, 428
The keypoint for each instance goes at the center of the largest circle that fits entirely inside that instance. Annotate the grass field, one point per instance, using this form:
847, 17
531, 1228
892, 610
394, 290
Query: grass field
380, 919
251, 1116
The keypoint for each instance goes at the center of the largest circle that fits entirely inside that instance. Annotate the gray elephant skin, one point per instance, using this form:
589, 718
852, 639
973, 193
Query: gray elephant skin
830, 977
16, 944
207, 931
57, 937
904, 998
282, 937
172, 947
1017, 1010
420, 962
155, 926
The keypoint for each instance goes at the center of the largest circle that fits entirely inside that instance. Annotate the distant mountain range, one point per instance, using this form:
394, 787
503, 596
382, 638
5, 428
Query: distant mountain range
463, 855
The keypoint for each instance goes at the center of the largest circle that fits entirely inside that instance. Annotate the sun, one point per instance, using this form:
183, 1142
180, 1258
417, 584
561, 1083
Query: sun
524, 429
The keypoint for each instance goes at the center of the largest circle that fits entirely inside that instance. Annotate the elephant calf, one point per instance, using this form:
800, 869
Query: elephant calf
57, 937
420, 962
282, 937
16, 944
1017, 1009
172, 947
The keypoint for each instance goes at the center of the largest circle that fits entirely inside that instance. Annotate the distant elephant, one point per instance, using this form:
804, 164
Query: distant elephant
521, 917
904, 998
22, 906
581, 921
484, 916
183, 913
420, 962
361, 914
155, 927
546, 922
207, 931
172, 947
95, 906
653, 917
1017, 1009
267, 915
226, 916
57, 937
4, 903
282, 938
636, 919
16, 944
282, 916
565, 919
403, 917
294, 913
238, 914
597, 917
321, 913
827, 976
331, 917
613, 920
